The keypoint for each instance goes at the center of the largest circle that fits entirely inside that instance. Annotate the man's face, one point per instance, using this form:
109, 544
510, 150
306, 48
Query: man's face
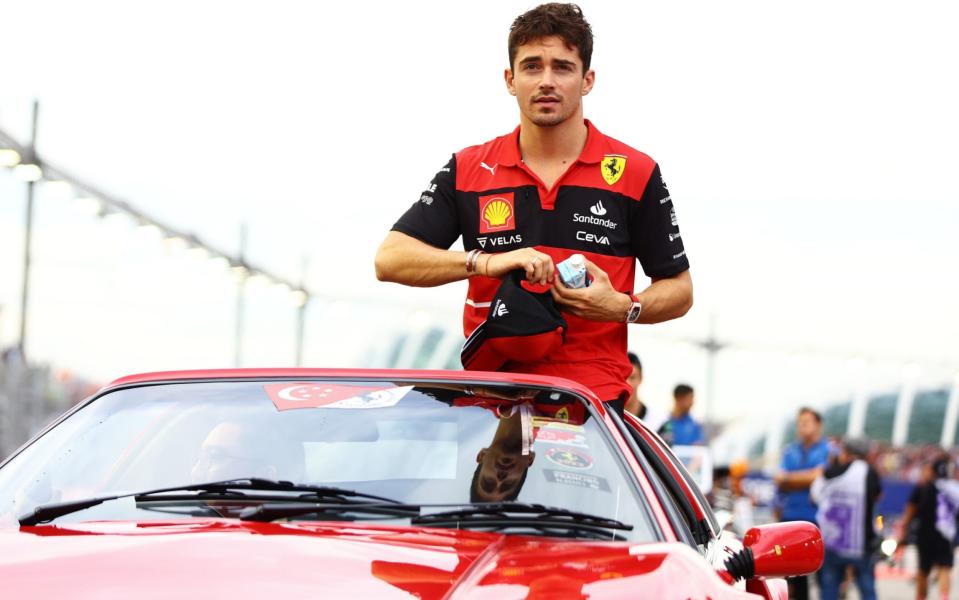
224, 455
635, 378
548, 81
807, 428
684, 403
501, 470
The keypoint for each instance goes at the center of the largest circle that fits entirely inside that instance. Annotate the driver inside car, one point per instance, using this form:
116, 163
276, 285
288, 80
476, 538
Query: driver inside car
234, 450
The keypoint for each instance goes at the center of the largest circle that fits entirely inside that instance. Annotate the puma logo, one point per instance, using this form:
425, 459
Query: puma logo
492, 169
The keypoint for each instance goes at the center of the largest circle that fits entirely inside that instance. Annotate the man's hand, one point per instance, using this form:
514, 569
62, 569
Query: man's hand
779, 478
538, 266
598, 302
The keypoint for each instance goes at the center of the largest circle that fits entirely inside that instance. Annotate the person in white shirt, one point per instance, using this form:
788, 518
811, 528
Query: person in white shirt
846, 494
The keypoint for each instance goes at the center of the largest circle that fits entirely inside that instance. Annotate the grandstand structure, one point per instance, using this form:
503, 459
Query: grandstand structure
909, 416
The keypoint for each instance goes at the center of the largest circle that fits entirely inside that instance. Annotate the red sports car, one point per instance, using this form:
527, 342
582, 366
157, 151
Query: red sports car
306, 483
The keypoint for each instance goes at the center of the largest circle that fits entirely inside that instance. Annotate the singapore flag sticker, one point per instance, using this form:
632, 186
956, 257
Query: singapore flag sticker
319, 394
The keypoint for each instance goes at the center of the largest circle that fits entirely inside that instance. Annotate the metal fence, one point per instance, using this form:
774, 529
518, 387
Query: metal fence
31, 397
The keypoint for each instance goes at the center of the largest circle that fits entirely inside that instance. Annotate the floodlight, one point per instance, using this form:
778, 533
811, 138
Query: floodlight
9, 157
299, 298
28, 172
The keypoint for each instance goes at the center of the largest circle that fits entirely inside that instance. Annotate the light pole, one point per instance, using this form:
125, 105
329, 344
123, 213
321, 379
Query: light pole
242, 275
301, 313
27, 235
712, 346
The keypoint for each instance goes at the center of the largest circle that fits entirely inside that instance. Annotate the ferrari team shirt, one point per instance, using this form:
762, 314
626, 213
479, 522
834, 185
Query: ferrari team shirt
611, 205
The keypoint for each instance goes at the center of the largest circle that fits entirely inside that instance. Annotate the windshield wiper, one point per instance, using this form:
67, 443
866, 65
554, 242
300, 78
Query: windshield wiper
272, 511
256, 484
508, 514
234, 488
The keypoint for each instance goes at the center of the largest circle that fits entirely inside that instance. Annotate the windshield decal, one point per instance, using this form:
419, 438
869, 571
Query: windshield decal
581, 480
286, 396
554, 435
571, 458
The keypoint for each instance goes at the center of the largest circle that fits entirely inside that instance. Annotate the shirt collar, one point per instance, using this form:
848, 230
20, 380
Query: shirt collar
593, 152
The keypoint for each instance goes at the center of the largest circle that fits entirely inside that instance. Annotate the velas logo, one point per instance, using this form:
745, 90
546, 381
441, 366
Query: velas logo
497, 212
612, 167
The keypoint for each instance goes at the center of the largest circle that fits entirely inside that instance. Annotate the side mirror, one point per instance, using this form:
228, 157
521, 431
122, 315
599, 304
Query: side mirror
778, 550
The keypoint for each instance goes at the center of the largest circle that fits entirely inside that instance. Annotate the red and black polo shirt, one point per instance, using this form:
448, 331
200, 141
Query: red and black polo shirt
611, 205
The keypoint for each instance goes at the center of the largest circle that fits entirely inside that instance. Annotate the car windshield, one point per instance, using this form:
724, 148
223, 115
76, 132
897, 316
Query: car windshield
418, 443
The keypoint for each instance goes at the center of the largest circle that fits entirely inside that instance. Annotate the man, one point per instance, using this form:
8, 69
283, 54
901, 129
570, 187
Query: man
234, 450
680, 429
501, 467
933, 504
846, 493
654, 420
802, 462
553, 187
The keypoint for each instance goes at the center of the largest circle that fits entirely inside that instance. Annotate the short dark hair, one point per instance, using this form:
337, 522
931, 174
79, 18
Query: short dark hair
634, 360
563, 20
683, 389
940, 467
475, 491
805, 410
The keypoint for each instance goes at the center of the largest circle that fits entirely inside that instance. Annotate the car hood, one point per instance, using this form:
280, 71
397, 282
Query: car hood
219, 558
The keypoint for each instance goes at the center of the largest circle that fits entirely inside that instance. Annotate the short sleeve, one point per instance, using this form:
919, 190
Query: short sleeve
654, 231
433, 218
698, 433
815, 490
914, 496
785, 463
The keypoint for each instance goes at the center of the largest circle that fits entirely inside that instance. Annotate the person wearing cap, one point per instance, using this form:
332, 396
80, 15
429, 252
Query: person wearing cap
846, 494
526, 201
933, 503
802, 462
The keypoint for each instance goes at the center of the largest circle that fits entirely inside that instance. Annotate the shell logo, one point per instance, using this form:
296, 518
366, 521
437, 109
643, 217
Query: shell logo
497, 213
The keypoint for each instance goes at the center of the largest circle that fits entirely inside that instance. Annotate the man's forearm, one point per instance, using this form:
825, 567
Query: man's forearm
666, 299
799, 480
406, 260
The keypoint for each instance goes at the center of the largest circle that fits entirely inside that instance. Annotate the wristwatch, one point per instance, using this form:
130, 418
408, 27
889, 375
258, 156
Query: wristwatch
632, 314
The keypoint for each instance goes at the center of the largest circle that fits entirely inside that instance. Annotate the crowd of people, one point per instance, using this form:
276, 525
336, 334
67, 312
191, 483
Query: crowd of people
837, 483
677, 427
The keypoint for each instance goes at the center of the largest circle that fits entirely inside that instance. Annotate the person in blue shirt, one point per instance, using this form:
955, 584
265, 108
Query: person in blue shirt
802, 462
680, 429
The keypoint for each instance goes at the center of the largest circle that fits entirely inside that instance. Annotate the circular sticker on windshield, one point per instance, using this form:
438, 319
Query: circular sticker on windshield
568, 457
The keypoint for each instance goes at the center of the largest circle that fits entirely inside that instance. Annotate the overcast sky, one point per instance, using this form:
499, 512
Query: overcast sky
810, 149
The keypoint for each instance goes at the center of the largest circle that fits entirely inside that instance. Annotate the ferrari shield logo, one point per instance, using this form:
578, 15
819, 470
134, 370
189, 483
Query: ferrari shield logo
612, 167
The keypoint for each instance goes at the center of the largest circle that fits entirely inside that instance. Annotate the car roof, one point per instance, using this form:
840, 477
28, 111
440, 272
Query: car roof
466, 377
